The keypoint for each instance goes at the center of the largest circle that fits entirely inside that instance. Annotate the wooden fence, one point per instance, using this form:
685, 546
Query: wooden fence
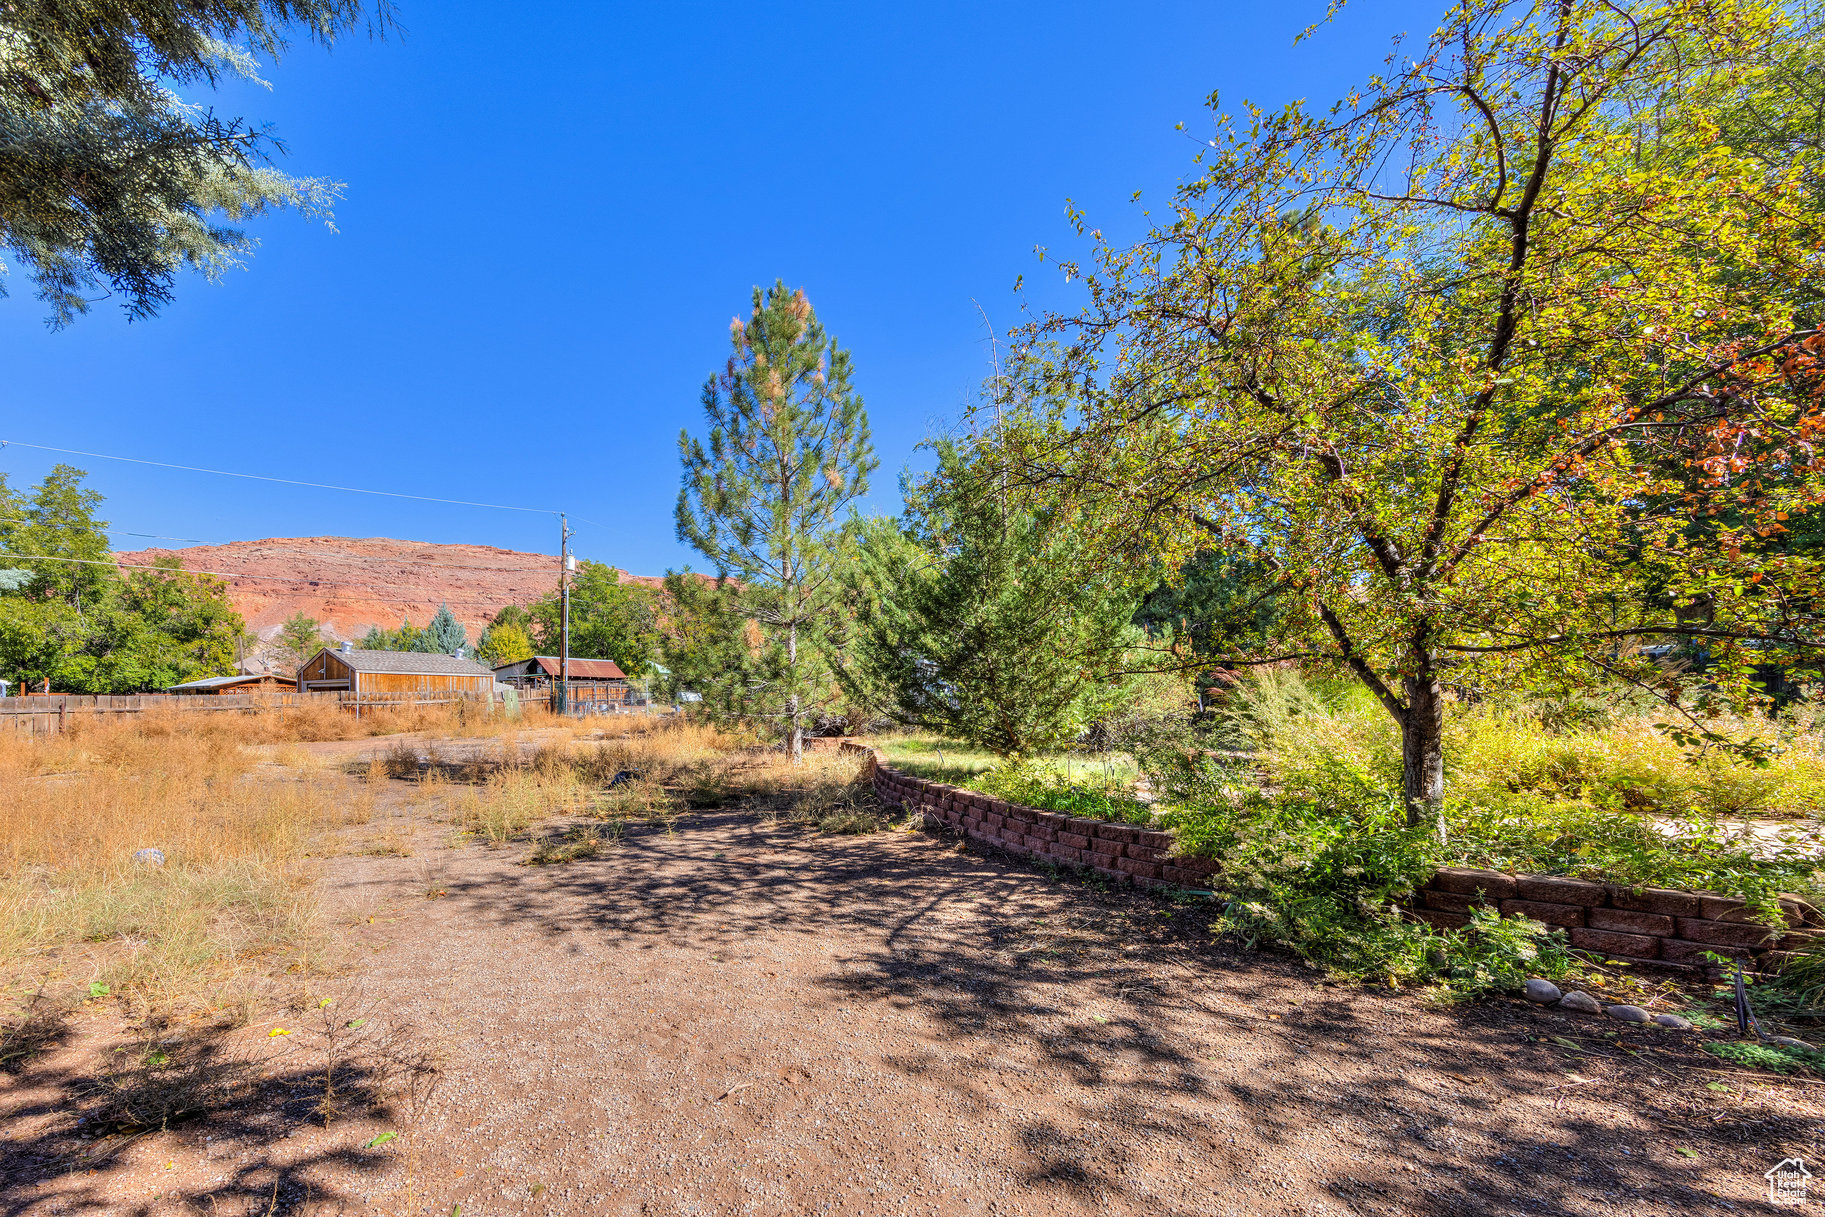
47, 714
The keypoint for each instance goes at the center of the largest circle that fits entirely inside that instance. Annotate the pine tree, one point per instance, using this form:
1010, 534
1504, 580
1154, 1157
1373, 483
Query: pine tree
112, 183
445, 635
985, 620
764, 494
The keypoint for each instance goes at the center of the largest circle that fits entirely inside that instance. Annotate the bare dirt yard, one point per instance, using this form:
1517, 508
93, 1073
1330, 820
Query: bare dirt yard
734, 1014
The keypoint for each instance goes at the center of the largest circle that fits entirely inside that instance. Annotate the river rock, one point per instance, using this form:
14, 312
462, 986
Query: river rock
1672, 1020
1544, 992
1787, 1041
1583, 1003
1628, 1014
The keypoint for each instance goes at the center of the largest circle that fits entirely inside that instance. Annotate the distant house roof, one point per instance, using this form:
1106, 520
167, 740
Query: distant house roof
586, 669
411, 663
223, 682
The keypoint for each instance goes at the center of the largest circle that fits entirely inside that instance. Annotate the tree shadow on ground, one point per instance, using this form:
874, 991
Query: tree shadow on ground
1123, 1012
89, 1112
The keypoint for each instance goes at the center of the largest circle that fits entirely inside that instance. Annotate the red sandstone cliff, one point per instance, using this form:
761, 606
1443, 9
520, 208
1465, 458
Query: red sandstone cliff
350, 584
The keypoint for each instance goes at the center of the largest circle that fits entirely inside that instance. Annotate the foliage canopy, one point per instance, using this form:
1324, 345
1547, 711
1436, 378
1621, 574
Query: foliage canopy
1458, 363
108, 178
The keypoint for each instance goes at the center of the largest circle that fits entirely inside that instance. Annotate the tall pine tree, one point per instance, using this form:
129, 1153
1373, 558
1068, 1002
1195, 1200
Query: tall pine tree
763, 499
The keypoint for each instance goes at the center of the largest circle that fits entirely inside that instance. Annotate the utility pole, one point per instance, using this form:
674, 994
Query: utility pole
564, 568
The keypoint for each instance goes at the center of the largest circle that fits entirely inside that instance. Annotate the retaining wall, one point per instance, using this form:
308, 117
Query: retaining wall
1656, 928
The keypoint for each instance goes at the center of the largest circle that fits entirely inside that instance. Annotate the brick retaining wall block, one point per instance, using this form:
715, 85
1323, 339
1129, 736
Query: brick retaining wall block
1552, 914
1561, 891
1655, 900
1638, 946
1449, 902
1493, 884
1659, 928
1624, 921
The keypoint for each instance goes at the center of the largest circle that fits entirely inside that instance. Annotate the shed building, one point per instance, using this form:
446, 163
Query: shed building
593, 682
393, 672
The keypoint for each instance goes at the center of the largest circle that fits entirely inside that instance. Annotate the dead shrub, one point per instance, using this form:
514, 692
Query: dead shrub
39, 1025
400, 761
360, 1060
155, 1083
573, 845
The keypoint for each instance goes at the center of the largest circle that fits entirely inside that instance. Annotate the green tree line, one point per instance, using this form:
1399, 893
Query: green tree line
69, 616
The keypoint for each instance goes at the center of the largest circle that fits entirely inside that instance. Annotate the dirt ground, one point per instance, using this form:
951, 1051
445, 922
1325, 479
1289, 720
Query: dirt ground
740, 1016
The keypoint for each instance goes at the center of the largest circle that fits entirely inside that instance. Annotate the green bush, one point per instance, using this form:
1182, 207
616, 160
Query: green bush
1321, 880
1033, 785
1778, 1058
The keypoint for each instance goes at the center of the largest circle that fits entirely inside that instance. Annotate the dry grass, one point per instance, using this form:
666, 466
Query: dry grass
633, 771
77, 909
234, 818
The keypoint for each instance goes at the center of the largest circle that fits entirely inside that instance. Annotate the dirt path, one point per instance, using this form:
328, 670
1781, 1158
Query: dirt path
738, 1017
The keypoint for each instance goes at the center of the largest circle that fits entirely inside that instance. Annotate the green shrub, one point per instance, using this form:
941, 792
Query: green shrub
1776, 1057
1320, 878
1033, 785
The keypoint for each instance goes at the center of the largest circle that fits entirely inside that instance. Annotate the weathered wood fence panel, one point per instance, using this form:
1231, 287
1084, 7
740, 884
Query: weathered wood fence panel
47, 714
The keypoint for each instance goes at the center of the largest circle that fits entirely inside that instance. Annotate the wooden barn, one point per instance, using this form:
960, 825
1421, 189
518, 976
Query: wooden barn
393, 672
245, 682
593, 682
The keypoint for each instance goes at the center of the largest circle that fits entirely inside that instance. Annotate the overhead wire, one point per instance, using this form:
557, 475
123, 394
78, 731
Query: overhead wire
260, 477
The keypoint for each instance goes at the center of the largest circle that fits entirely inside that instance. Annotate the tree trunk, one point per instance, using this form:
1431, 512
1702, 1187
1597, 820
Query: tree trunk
1422, 748
797, 727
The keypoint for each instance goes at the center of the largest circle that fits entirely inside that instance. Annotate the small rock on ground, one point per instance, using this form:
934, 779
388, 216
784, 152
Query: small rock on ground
1628, 1014
1672, 1020
1787, 1041
1544, 992
1583, 1003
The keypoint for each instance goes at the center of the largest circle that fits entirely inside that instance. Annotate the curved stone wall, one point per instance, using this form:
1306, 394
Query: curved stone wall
1655, 928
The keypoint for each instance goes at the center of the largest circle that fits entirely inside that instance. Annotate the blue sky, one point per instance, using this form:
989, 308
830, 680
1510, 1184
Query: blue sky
549, 222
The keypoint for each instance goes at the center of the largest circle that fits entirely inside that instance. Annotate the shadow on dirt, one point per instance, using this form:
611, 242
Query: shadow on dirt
1130, 1016
236, 1103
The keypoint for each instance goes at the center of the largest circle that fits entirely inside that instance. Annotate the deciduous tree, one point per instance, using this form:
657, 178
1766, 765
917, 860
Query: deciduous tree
1458, 363
299, 638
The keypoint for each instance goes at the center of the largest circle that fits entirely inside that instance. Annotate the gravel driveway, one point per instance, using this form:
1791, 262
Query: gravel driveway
742, 1017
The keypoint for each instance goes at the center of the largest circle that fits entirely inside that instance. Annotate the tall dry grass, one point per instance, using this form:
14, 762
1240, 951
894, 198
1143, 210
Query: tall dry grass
1506, 755
321, 722
634, 769
77, 909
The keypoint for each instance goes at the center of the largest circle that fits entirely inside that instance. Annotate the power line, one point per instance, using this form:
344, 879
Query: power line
260, 477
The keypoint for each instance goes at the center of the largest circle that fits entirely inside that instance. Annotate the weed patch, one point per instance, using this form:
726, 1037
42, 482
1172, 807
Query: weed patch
1777, 1058
576, 844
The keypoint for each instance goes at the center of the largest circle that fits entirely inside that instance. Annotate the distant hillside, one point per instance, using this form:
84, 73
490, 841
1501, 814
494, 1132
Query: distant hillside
350, 584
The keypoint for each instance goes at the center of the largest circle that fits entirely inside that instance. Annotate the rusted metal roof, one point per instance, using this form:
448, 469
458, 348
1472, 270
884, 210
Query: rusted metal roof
586, 669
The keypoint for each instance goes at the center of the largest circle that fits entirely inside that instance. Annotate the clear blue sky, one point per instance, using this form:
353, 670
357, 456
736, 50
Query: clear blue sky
553, 210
